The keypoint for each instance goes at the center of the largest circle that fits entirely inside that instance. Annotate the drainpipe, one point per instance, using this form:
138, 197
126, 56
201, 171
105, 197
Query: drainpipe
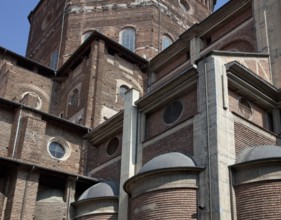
17, 133
208, 140
61, 35
159, 27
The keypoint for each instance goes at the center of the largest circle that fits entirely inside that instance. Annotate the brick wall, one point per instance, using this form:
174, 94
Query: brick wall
154, 121
259, 115
110, 172
22, 193
247, 137
258, 201
6, 122
20, 81
46, 23
179, 141
98, 155
173, 204
44, 35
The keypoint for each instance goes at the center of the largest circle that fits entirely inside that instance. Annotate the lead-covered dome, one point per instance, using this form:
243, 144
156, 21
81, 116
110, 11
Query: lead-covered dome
102, 189
259, 152
169, 160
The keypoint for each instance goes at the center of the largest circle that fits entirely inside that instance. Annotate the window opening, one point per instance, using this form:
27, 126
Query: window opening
128, 38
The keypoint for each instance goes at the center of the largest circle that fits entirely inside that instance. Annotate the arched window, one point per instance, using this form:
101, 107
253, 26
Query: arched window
128, 38
122, 90
184, 5
166, 42
74, 98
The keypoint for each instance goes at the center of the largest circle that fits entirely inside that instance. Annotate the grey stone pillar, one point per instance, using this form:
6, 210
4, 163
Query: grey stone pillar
129, 142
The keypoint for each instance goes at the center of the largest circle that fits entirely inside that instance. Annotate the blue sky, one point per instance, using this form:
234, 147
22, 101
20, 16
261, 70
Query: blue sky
14, 24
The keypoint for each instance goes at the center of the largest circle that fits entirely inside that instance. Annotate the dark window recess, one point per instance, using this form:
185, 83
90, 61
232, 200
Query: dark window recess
245, 108
56, 150
172, 112
112, 146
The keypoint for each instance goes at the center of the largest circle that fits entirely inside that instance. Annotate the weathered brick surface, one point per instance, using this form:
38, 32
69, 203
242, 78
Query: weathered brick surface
44, 37
258, 201
46, 24
20, 81
6, 122
22, 194
154, 121
179, 141
110, 172
165, 204
259, 115
97, 155
247, 137
97, 78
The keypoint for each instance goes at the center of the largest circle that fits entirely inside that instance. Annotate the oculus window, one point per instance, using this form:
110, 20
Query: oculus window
172, 112
112, 146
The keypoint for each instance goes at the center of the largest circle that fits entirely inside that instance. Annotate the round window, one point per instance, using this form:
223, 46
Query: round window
112, 146
172, 112
56, 150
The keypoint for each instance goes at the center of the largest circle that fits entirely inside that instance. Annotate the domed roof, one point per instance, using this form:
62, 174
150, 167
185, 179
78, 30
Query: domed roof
168, 160
259, 152
102, 189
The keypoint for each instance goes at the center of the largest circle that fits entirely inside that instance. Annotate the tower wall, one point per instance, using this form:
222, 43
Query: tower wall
63, 24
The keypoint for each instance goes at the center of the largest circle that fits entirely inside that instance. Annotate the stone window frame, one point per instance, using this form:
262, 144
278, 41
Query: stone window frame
116, 149
247, 106
184, 4
78, 87
34, 94
179, 116
165, 39
130, 41
66, 146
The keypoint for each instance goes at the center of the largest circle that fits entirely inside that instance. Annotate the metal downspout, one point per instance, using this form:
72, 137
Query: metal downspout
61, 35
208, 141
17, 133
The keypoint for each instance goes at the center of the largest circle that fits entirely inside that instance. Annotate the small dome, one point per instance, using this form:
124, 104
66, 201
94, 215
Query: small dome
259, 152
168, 160
102, 189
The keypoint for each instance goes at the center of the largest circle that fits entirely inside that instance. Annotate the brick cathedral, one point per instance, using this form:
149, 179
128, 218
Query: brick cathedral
143, 110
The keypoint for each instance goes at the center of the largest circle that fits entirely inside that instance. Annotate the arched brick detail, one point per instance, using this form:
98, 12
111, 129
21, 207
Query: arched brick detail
238, 45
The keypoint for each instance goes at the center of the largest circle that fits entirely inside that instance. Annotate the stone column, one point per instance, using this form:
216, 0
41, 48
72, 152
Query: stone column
129, 142
213, 141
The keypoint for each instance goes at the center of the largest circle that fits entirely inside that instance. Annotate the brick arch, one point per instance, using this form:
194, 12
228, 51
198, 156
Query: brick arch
239, 46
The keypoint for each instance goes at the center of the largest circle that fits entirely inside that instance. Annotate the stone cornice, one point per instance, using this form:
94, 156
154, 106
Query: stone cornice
180, 83
110, 127
244, 80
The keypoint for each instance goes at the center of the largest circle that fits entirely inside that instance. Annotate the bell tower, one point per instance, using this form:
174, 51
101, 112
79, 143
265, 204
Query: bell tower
146, 27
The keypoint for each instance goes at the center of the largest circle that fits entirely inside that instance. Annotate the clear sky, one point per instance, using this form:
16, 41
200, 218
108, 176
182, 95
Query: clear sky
14, 24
